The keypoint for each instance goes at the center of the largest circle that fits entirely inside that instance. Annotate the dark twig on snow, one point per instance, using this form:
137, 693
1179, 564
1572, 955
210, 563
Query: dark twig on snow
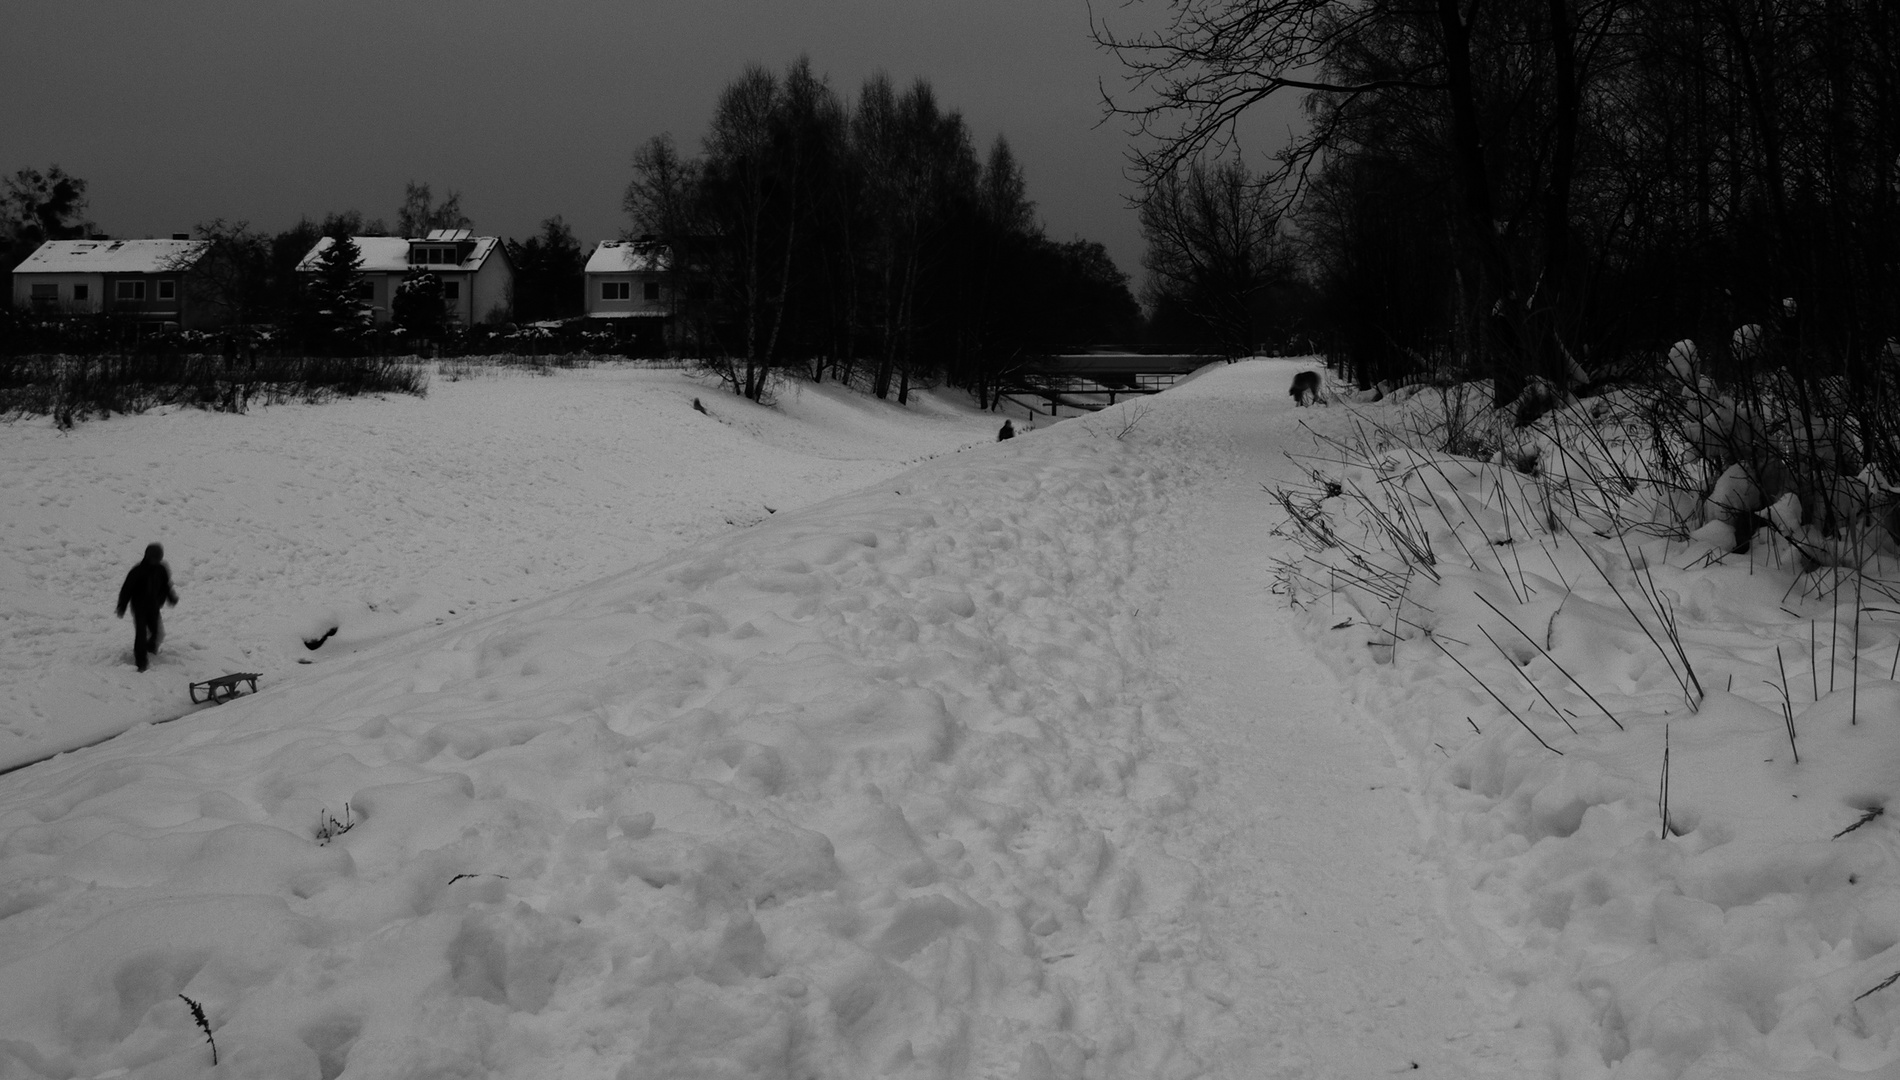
1890, 980
329, 828
198, 1017
1864, 819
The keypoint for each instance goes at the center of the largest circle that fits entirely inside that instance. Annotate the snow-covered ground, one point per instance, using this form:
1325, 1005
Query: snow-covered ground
382, 516
1014, 762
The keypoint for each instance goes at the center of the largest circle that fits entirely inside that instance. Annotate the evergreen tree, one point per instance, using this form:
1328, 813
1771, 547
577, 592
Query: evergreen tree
548, 273
336, 306
418, 307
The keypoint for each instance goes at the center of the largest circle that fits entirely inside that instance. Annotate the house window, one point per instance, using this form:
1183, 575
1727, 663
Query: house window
653, 290
616, 290
45, 295
80, 292
168, 290
451, 290
129, 290
366, 290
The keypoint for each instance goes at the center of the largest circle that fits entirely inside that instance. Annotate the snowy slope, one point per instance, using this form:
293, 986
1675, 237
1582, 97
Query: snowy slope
863, 790
382, 516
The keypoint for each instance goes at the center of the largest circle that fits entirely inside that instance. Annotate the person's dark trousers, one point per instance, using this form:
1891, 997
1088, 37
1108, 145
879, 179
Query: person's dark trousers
147, 631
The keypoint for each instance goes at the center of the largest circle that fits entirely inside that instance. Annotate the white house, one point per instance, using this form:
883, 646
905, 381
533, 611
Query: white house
628, 279
478, 281
144, 279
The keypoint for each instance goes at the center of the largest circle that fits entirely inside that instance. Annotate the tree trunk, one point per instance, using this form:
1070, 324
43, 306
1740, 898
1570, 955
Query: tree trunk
1480, 225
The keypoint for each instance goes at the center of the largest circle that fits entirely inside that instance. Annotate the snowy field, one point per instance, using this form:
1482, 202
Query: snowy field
380, 517
1055, 759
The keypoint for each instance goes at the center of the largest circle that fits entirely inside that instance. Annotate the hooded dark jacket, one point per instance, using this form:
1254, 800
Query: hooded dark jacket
148, 585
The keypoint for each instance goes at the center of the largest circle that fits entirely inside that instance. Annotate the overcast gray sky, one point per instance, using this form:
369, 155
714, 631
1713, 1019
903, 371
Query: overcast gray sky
182, 111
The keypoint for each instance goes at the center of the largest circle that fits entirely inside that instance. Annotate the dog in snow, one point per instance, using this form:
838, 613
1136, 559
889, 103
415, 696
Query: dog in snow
1305, 385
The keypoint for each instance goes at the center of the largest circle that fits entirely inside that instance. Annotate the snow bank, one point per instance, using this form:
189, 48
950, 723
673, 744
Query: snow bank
1756, 932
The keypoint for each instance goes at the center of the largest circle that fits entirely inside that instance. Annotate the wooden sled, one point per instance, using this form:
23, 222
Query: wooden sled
223, 688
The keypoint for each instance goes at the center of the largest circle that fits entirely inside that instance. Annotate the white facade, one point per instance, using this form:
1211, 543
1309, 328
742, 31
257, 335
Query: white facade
144, 279
478, 282
628, 279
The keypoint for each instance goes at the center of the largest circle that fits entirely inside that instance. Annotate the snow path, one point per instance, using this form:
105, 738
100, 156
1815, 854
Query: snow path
1318, 891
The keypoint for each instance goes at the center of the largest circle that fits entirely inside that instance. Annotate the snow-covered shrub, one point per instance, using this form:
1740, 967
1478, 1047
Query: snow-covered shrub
1764, 434
1682, 361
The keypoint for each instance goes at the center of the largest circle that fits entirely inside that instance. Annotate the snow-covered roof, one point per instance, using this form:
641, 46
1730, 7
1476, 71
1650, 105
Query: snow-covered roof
390, 254
626, 257
111, 256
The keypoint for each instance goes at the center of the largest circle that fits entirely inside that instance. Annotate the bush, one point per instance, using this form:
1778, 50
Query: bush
73, 388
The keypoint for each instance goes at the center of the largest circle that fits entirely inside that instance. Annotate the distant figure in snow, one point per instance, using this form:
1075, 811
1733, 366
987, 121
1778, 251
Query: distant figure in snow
1008, 432
147, 588
1304, 384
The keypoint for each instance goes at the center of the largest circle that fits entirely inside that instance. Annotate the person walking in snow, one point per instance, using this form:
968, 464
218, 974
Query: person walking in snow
1008, 432
147, 588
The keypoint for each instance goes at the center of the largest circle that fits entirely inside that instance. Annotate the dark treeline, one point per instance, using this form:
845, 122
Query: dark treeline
1539, 188
864, 241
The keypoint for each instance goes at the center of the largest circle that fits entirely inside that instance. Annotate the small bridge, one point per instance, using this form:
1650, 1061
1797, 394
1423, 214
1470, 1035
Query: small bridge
1089, 382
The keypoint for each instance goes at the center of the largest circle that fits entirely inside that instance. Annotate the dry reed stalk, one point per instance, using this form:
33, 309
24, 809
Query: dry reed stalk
1553, 663
1499, 700
1787, 705
1692, 697
1662, 797
1555, 711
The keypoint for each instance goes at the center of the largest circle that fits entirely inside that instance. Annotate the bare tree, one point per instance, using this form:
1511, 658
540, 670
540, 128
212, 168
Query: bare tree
39, 206
1213, 246
420, 213
918, 161
1456, 74
664, 202
661, 200
739, 187
230, 274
